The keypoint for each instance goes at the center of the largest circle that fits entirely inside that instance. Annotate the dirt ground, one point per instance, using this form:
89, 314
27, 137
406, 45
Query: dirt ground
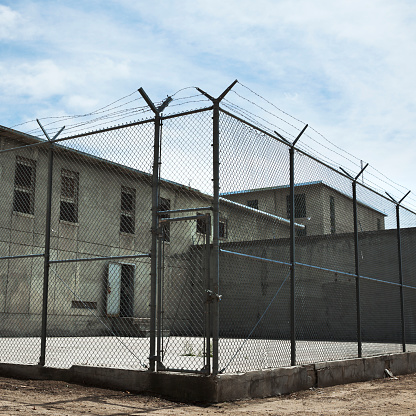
378, 397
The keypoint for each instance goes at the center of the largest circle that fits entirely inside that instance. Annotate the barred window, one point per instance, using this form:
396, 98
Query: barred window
24, 185
300, 206
128, 210
332, 213
69, 196
201, 225
223, 228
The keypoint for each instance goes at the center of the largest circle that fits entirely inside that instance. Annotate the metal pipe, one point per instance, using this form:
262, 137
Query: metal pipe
133, 256
357, 268
42, 143
187, 113
399, 253
22, 256
174, 219
233, 253
310, 266
173, 211
47, 257
292, 259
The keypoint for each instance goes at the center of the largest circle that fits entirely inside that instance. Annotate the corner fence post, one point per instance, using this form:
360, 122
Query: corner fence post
216, 220
46, 263
153, 357
357, 259
399, 259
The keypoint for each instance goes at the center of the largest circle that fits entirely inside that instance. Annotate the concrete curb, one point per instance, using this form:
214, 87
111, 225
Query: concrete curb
187, 387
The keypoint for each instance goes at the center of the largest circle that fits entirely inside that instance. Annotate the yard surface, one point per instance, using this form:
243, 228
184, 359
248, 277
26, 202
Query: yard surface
52, 398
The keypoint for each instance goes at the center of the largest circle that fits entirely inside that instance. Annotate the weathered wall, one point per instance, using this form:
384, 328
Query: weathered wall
325, 299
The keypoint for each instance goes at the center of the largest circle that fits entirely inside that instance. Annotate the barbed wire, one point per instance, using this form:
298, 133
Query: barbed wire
341, 152
116, 111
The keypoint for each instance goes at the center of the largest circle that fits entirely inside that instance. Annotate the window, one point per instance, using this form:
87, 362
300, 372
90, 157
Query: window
378, 224
24, 185
128, 207
253, 203
300, 206
81, 304
332, 213
165, 206
223, 228
69, 196
201, 225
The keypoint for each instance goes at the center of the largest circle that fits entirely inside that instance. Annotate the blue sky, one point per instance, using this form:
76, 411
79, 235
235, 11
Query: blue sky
345, 67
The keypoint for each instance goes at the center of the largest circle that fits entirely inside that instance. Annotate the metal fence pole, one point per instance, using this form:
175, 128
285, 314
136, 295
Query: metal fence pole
46, 263
159, 306
356, 258
216, 221
292, 245
399, 255
399, 249
215, 245
292, 259
357, 269
153, 250
207, 260
47, 258
153, 358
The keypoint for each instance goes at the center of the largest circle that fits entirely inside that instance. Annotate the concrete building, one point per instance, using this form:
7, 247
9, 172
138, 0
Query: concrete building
103, 209
320, 207
99, 209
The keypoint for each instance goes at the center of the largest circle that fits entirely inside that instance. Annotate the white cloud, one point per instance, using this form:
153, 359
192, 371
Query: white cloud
10, 21
346, 67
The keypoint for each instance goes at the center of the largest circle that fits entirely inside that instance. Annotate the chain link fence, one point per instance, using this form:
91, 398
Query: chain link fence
196, 242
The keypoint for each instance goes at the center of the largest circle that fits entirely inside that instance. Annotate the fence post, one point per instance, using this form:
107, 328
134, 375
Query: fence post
399, 252
357, 269
292, 245
207, 254
46, 263
356, 258
216, 220
153, 357
292, 259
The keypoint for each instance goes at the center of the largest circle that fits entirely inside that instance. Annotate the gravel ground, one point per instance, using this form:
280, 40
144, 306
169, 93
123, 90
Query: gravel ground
378, 397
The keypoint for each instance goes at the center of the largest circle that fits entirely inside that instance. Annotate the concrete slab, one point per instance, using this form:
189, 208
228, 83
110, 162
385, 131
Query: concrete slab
224, 387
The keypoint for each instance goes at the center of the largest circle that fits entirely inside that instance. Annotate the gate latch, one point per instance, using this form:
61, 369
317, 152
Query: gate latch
213, 296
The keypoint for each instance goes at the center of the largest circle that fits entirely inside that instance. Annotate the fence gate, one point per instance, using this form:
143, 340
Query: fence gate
183, 330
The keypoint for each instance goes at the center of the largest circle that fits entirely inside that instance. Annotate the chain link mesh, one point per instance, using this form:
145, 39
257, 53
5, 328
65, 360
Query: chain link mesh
100, 295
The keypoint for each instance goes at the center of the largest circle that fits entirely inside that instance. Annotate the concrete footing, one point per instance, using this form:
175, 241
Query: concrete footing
224, 387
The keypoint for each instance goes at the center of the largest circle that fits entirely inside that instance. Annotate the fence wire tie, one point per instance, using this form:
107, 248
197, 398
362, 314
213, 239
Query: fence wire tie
255, 326
213, 296
101, 321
